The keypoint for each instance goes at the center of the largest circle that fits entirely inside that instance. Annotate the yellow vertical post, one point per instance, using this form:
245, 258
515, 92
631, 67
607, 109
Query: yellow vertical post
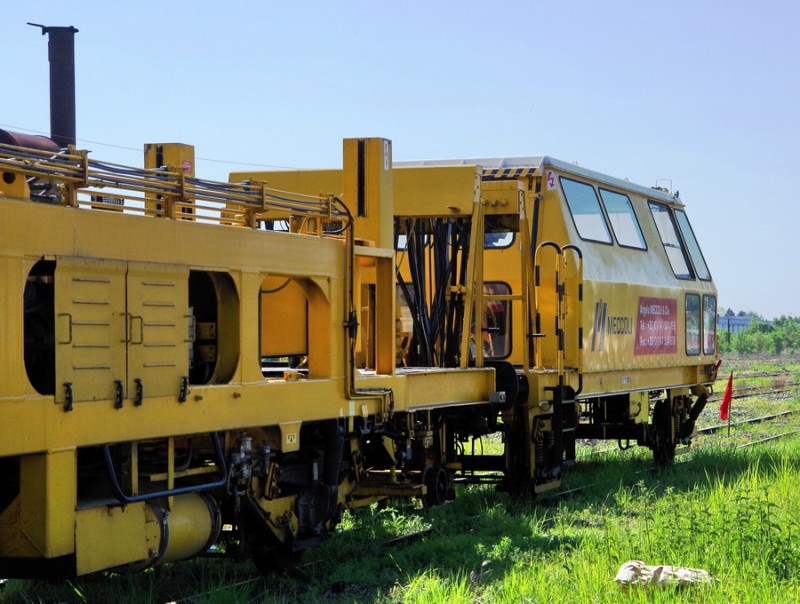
367, 186
177, 157
48, 492
525, 281
384, 317
368, 193
473, 296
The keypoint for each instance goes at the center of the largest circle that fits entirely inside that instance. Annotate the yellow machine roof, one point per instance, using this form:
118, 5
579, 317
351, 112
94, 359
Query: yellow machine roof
501, 168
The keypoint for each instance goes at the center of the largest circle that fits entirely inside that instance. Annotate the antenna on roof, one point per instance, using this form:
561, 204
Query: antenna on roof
664, 180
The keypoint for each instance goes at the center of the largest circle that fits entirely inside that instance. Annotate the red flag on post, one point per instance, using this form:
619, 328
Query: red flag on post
725, 407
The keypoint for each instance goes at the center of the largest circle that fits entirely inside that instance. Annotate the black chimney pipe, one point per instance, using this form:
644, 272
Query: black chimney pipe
61, 53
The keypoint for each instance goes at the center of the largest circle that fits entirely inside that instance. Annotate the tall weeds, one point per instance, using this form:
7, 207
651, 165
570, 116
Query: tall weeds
734, 513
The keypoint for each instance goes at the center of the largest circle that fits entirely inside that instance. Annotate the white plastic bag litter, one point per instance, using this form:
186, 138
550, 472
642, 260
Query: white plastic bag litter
636, 572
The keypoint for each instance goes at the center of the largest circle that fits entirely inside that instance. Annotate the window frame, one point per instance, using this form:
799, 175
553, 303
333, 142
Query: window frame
690, 241
697, 338
509, 319
636, 222
499, 247
600, 207
713, 327
690, 275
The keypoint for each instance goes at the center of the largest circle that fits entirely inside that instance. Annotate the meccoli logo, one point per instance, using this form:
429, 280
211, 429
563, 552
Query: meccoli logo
598, 331
620, 325
608, 325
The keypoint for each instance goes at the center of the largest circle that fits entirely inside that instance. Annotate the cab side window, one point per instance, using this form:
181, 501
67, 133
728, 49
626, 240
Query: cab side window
623, 219
709, 324
695, 254
496, 328
586, 211
692, 324
671, 240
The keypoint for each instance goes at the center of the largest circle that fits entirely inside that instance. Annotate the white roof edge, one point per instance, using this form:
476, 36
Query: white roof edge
540, 162
485, 162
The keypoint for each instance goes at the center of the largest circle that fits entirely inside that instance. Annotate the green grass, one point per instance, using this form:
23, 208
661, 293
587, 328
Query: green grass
732, 511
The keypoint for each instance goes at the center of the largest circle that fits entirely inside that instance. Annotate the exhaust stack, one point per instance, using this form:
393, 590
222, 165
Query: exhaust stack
61, 54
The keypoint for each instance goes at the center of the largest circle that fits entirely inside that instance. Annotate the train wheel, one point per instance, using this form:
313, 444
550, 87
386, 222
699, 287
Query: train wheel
664, 455
664, 442
437, 482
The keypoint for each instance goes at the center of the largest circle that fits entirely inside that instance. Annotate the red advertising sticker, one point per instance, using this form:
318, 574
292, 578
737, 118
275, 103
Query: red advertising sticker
656, 326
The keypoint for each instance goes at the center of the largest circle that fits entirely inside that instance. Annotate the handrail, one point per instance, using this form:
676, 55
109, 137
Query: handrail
126, 499
94, 180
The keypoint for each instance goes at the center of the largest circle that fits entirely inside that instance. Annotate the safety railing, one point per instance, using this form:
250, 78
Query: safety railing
71, 178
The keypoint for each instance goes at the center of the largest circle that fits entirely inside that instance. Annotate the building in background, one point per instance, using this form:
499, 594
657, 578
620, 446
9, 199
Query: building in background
733, 324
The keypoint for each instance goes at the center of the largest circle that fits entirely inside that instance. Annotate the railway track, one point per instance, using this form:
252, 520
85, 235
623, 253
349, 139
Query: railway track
546, 500
789, 389
768, 438
567, 493
710, 429
752, 420
751, 391
741, 372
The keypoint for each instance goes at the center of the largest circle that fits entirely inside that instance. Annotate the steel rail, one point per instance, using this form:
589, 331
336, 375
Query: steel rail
561, 495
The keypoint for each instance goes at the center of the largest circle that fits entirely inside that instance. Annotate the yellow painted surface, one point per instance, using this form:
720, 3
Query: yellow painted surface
106, 537
436, 191
307, 182
14, 186
14, 543
284, 318
176, 157
47, 502
13, 272
618, 283
158, 307
190, 526
90, 327
61, 232
417, 191
290, 436
367, 188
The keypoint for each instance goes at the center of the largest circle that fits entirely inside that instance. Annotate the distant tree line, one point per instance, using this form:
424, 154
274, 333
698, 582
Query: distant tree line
742, 313
781, 336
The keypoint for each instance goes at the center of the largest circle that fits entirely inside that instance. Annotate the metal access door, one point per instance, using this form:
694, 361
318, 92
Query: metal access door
90, 326
159, 326
123, 330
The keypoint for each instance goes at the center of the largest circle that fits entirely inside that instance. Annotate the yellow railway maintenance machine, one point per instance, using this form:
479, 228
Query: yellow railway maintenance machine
598, 310
186, 362
174, 375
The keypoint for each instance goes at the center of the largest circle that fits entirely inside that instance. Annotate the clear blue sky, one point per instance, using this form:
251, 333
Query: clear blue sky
705, 94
